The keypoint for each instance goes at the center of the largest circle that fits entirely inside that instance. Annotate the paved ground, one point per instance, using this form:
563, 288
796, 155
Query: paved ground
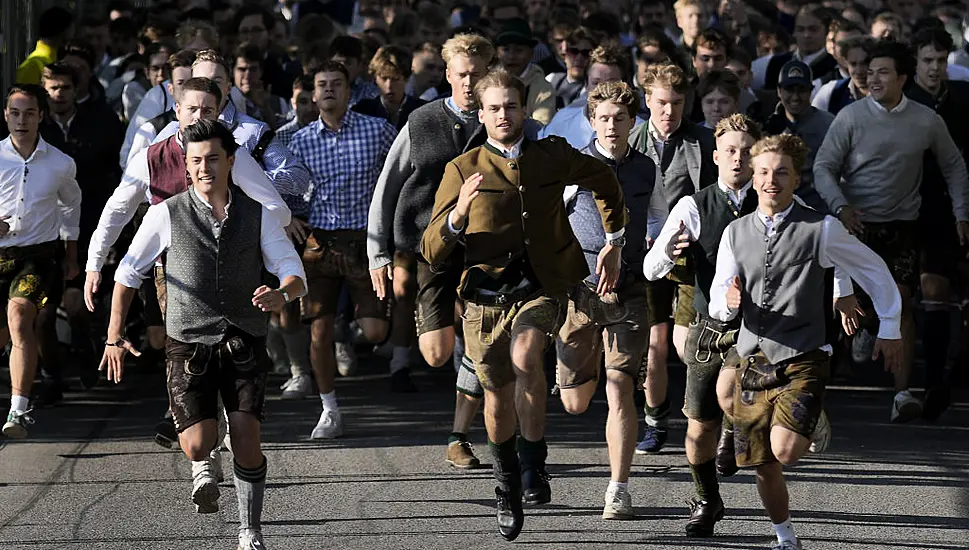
90, 478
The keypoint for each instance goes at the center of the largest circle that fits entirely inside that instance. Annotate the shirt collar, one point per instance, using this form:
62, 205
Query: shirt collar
513, 152
741, 193
602, 151
346, 121
206, 203
66, 126
7, 144
897, 109
449, 101
778, 218
228, 114
654, 133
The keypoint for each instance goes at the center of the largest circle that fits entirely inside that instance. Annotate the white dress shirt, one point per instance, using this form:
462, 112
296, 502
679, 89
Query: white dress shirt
39, 195
157, 100
837, 248
154, 237
134, 189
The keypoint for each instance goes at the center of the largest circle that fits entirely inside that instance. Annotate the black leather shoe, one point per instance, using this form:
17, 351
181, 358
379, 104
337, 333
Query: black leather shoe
400, 382
536, 489
726, 461
703, 516
165, 433
510, 515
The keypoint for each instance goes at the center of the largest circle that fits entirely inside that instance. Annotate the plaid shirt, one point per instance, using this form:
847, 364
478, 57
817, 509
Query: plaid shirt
288, 176
344, 167
362, 89
296, 203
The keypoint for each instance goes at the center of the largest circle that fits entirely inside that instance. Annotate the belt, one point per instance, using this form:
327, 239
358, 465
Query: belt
718, 324
19, 252
501, 298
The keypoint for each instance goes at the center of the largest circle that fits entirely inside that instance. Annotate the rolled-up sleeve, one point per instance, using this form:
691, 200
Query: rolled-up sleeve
69, 204
288, 174
153, 238
278, 254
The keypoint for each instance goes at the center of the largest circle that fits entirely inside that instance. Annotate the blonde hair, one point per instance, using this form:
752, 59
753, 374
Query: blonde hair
788, 145
212, 56
617, 92
683, 4
738, 122
500, 78
666, 74
471, 45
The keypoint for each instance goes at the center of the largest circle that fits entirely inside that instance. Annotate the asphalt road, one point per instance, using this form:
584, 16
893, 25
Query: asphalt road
89, 477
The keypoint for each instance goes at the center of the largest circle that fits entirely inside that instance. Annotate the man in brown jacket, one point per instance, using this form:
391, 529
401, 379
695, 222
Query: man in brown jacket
503, 201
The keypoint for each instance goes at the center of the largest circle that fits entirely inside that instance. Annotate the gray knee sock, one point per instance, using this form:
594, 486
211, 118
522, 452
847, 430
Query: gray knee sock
250, 490
297, 349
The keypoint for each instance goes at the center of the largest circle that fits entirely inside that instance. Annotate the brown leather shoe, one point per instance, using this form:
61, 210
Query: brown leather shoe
726, 461
460, 454
703, 516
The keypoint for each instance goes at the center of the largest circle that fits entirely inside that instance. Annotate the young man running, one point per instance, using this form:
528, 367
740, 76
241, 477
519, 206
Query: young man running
216, 315
503, 200
771, 272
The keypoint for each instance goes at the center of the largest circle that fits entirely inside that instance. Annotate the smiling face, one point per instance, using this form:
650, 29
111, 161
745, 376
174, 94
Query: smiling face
208, 165
795, 99
502, 114
775, 180
612, 124
732, 157
884, 82
332, 92
23, 117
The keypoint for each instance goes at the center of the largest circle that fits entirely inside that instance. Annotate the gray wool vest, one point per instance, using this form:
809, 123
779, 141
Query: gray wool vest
782, 306
211, 273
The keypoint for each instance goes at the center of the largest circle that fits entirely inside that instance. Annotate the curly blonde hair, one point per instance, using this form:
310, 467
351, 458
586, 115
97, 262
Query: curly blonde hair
617, 92
667, 75
471, 45
738, 122
784, 144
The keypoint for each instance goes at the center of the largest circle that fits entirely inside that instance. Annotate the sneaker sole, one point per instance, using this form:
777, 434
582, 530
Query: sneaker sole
164, 441
206, 498
907, 413
614, 515
325, 437
14, 431
462, 466
656, 452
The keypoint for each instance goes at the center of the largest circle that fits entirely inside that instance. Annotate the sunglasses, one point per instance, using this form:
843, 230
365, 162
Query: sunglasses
577, 51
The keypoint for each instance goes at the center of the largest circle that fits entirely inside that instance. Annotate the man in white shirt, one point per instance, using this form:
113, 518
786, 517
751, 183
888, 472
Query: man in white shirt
772, 267
217, 314
40, 204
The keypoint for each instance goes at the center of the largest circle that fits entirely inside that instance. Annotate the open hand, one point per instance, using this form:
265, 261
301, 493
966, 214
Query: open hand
267, 299
380, 278
851, 313
607, 268
113, 359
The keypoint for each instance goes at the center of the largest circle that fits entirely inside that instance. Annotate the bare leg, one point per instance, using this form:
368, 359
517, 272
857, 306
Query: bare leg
531, 390
21, 315
321, 353
620, 424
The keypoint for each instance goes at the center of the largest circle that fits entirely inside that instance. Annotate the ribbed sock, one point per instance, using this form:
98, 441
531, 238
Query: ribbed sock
532, 453
507, 469
19, 403
616, 485
935, 346
250, 491
658, 416
457, 356
785, 531
329, 401
705, 481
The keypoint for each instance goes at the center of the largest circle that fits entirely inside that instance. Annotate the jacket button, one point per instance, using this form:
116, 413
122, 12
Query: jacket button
521, 188
457, 126
525, 215
528, 242
512, 165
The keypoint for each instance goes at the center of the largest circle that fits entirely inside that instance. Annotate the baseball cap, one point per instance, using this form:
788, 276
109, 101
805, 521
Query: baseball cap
515, 31
795, 73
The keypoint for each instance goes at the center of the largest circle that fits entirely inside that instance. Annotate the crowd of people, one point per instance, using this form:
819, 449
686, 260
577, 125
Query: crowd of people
771, 189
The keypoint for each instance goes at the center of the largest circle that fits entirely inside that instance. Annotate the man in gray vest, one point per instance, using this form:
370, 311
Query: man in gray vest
216, 315
782, 356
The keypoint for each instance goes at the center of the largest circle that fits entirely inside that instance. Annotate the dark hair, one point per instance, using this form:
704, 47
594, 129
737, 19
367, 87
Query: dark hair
817, 11
712, 39
939, 39
205, 130
182, 58
604, 25
390, 60
347, 47
332, 67
740, 55
59, 69
304, 83
897, 52
124, 27
202, 84
723, 80
248, 51
841, 24
251, 9
33, 90
79, 49
54, 22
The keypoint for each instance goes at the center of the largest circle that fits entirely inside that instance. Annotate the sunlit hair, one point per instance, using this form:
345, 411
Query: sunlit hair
500, 78
471, 45
788, 145
619, 93
212, 56
738, 122
666, 75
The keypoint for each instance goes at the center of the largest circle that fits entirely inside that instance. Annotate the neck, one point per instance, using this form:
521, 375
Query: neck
332, 118
688, 41
391, 107
932, 90
217, 196
64, 117
770, 210
663, 135
790, 116
890, 103
462, 105
508, 143
26, 148
804, 53
736, 186
617, 150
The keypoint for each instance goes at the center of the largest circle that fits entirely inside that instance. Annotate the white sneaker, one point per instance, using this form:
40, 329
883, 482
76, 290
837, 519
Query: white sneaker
346, 358
786, 545
821, 437
205, 487
300, 387
330, 426
619, 505
251, 539
905, 407
287, 383
16, 425
862, 346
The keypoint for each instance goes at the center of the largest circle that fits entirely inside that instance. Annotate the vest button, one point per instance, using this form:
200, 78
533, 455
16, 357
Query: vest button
457, 126
525, 215
528, 242
521, 188
512, 165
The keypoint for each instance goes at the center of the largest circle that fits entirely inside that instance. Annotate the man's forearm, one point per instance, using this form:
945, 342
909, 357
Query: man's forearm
293, 286
70, 250
120, 304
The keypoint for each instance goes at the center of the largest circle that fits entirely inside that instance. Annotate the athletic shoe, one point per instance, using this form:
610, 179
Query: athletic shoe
862, 346
509, 513
460, 454
786, 545
653, 440
400, 382
287, 383
165, 433
17, 422
821, 437
937, 400
330, 426
703, 517
346, 358
619, 505
905, 407
205, 487
536, 489
299, 387
251, 539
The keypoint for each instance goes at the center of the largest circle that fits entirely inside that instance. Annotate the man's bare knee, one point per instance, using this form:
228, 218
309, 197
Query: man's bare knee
437, 347
374, 330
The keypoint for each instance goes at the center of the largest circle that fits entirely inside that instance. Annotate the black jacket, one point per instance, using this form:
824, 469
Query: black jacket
374, 107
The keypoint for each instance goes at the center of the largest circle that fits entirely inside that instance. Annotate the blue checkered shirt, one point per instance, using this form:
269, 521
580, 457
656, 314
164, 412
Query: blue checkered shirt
289, 177
344, 165
362, 89
296, 203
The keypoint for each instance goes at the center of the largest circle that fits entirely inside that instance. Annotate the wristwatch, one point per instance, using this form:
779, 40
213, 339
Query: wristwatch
284, 293
618, 242
118, 344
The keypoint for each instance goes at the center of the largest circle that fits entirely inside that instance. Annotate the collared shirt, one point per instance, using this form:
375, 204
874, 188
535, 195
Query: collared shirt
362, 89
344, 165
39, 195
288, 175
134, 189
466, 115
512, 152
286, 132
66, 125
838, 249
896, 109
154, 237
607, 154
658, 139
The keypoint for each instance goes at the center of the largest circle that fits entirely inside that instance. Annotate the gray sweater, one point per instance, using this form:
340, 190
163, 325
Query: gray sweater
871, 159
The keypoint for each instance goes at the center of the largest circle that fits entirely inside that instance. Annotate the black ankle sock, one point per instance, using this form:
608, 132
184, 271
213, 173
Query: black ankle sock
532, 453
935, 346
705, 480
507, 469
